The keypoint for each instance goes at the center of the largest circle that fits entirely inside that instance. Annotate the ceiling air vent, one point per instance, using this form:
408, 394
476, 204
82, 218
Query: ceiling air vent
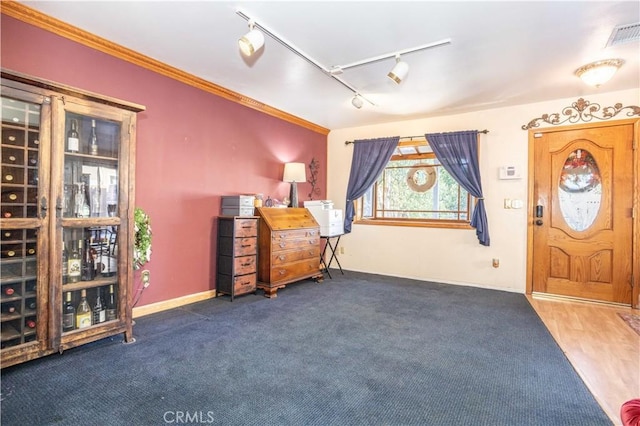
624, 34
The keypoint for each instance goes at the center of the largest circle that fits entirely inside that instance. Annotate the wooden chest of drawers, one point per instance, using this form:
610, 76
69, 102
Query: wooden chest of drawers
289, 248
237, 255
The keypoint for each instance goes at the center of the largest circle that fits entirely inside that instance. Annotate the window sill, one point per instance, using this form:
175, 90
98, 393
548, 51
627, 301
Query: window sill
415, 223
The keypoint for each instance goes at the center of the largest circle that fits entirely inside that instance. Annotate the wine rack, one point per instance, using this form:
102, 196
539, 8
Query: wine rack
20, 145
66, 217
18, 281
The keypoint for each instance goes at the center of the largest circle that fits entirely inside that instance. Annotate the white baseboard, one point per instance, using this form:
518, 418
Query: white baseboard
152, 308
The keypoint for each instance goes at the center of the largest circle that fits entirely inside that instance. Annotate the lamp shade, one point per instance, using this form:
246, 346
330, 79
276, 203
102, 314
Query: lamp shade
597, 73
294, 172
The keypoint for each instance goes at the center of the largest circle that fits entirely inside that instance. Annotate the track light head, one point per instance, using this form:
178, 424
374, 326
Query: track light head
357, 101
252, 41
399, 71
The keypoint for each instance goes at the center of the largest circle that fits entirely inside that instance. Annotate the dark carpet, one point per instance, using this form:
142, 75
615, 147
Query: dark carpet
356, 350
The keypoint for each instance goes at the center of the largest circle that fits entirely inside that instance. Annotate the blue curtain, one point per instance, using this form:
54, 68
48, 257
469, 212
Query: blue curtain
458, 154
370, 157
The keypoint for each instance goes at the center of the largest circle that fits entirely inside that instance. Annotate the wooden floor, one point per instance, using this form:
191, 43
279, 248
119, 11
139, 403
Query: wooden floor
603, 349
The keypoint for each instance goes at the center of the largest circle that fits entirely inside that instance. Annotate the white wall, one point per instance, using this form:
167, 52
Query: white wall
453, 255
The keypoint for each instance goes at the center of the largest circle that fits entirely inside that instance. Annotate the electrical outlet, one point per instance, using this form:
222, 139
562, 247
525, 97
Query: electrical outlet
146, 278
495, 263
341, 250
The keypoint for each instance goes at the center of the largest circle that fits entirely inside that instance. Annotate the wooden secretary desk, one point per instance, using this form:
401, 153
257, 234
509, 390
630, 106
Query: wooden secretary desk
288, 248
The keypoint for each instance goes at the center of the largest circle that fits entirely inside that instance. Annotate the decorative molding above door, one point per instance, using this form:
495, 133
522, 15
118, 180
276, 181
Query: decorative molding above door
583, 110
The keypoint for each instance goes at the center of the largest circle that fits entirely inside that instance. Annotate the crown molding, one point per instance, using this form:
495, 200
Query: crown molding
53, 25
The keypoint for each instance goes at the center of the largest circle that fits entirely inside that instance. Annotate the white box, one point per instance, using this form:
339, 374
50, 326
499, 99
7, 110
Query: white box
319, 204
330, 220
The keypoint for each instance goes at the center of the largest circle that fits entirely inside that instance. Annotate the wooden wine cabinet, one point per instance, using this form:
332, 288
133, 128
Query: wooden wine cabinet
53, 197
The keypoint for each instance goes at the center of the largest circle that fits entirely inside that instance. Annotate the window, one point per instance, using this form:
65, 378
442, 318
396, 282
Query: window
415, 190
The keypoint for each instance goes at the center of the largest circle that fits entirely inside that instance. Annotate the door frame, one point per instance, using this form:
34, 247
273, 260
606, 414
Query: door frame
635, 238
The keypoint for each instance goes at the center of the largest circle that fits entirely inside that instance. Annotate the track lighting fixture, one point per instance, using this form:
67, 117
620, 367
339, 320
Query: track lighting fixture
399, 71
252, 41
357, 101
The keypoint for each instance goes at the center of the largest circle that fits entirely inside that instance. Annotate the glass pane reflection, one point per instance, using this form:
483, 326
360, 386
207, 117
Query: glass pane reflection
580, 190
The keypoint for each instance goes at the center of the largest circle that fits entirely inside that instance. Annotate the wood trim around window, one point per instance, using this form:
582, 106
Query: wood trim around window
51, 24
415, 224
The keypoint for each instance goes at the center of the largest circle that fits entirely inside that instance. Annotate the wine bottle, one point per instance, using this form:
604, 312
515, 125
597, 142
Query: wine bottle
8, 309
73, 139
30, 323
32, 305
8, 291
82, 202
68, 314
9, 253
93, 139
83, 312
111, 305
7, 214
99, 312
8, 177
65, 265
13, 196
88, 267
74, 266
12, 158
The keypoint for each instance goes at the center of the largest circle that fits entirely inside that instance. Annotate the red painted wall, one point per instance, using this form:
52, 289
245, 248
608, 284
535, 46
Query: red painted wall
192, 147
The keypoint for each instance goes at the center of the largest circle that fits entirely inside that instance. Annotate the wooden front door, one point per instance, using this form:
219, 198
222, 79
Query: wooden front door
582, 212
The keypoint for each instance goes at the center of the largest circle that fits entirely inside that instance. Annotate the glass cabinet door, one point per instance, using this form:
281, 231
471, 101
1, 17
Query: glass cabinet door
90, 208
22, 218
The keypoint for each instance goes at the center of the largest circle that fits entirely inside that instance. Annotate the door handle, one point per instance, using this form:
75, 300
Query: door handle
43, 207
538, 222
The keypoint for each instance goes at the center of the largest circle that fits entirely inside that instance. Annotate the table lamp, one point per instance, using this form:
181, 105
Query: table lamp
294, 173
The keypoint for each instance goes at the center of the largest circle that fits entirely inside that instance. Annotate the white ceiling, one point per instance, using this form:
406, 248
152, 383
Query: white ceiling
501, 53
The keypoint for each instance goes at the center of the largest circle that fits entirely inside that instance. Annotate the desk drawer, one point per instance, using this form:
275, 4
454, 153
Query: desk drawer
295, 234
289, 244
294, 270
283, 257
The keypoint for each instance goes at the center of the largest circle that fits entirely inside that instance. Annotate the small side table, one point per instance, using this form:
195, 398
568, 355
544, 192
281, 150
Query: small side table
334, 256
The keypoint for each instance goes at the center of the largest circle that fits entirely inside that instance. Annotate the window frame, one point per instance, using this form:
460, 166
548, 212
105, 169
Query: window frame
421, 151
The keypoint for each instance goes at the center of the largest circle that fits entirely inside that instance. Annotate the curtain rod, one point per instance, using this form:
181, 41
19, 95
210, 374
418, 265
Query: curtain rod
485, 131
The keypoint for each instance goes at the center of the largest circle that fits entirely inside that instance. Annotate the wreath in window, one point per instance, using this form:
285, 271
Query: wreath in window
421, 178
142, 243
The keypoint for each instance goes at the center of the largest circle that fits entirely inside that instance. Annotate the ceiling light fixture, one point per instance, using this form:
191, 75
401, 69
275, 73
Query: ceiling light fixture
357, 101
335, 71
399, 71
599, 72
252, 41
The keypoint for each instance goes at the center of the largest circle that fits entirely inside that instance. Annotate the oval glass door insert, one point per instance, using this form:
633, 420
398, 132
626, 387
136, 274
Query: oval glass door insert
580, 190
